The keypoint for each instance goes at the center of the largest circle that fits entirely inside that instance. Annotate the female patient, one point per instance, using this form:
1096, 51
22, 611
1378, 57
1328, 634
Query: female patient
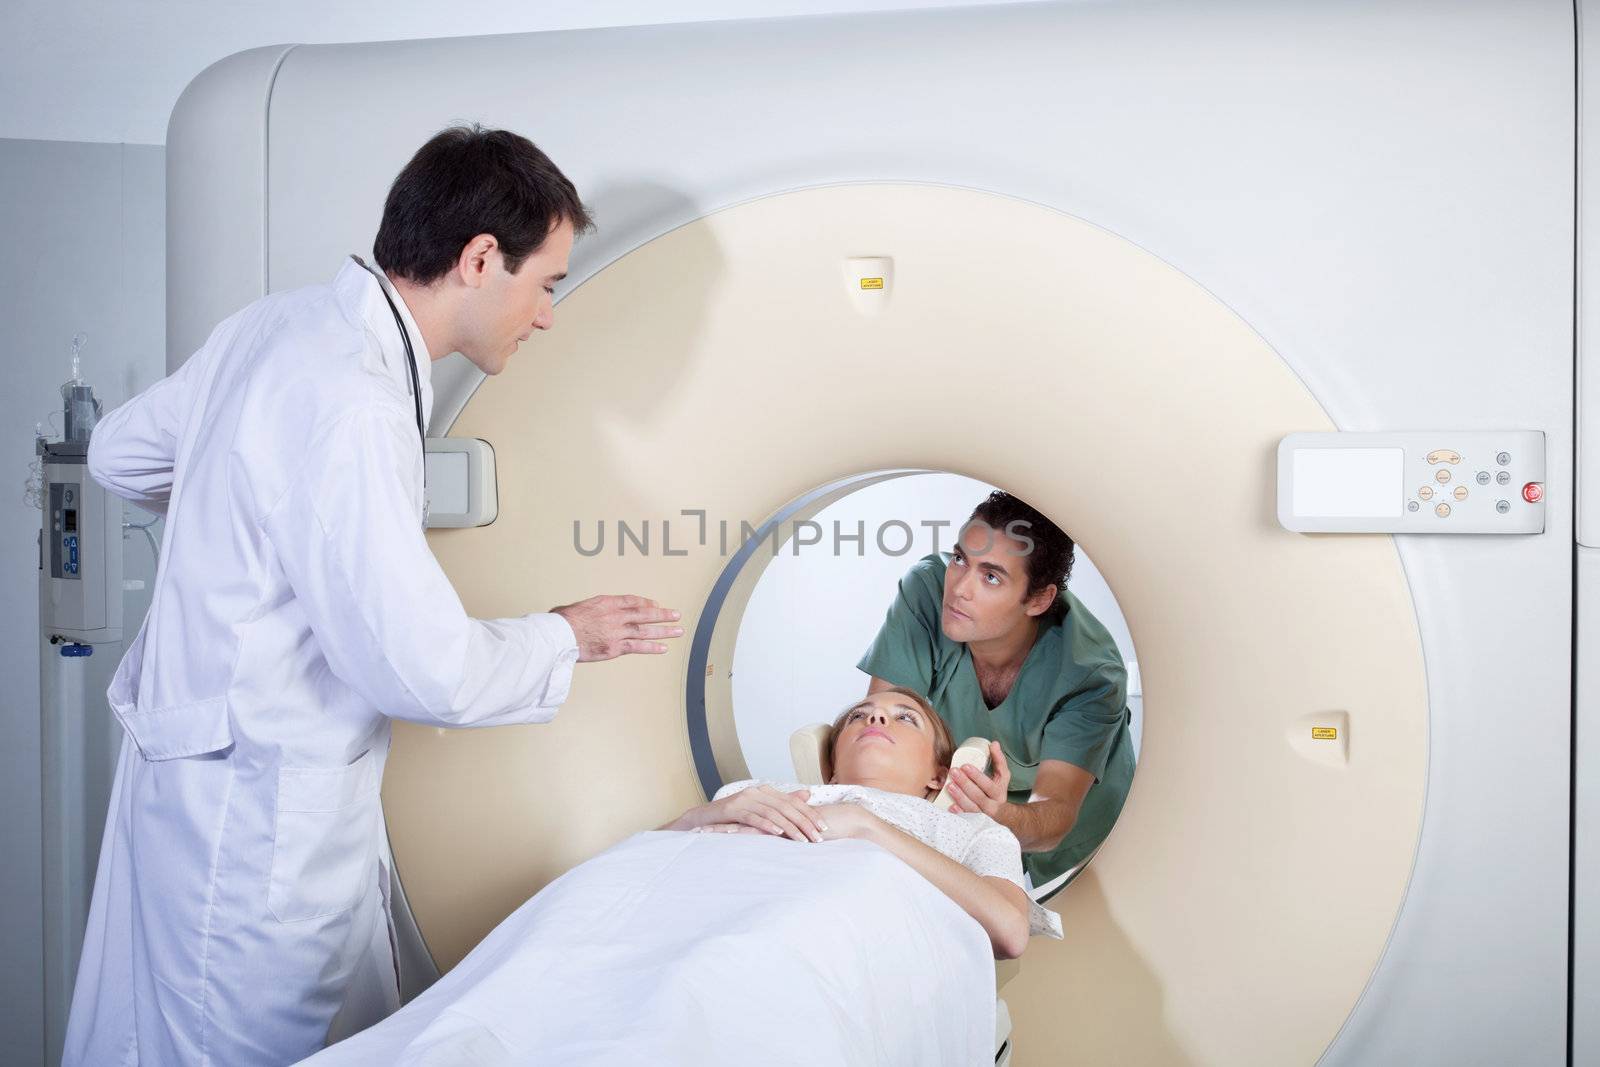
890, 754
671, 949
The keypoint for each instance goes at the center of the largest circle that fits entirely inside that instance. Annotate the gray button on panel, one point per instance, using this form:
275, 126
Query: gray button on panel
1504, 459
1504, 477
1483, 477
1503, 506
1412, 505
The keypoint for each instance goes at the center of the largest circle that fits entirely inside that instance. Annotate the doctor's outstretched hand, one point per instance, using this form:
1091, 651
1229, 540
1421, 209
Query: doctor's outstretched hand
610, 626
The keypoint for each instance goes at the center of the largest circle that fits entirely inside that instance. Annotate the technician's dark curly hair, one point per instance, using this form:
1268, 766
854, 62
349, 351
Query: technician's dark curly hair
1050, 557
465, 181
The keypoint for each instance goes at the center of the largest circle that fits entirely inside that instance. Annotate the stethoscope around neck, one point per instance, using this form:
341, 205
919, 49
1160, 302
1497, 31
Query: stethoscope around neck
416, 382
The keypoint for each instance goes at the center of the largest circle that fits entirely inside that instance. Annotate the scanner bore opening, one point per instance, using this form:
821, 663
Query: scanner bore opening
798, 605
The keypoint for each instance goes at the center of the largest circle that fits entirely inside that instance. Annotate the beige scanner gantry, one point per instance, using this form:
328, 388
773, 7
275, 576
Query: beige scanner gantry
1240, 905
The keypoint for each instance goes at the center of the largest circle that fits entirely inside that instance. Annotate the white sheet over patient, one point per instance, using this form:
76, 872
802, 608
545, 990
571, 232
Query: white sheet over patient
711, 950
971, 838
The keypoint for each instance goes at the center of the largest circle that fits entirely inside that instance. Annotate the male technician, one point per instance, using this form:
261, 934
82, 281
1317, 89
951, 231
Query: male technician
991, 634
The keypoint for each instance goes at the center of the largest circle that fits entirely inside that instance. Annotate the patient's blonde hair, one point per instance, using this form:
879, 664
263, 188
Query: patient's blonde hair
943, 745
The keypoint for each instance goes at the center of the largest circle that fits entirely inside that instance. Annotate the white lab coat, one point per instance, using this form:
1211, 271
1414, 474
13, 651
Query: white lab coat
241, 901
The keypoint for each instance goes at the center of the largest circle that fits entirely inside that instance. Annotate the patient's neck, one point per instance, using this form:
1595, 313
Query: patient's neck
885, 783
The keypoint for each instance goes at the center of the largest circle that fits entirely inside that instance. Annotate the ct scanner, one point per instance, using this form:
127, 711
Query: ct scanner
1127, 249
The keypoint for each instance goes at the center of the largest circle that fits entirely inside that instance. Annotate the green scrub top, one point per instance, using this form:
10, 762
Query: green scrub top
1069, 701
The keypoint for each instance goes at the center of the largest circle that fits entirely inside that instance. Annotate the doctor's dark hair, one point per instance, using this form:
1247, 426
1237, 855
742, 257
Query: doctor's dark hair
465, 181
1050, 558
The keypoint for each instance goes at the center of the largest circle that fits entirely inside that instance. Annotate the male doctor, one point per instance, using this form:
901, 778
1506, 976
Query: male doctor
241, 907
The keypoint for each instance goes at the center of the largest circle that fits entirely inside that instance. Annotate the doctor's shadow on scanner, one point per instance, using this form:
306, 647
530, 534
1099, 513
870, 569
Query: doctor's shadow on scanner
671, 309
1061, 971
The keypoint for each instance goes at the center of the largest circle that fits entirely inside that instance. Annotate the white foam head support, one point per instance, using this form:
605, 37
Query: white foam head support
809, 753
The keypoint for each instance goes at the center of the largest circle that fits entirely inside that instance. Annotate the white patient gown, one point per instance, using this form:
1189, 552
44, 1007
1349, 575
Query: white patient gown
242, 898
971, 838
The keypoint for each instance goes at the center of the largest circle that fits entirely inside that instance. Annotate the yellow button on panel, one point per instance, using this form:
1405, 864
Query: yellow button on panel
1426, 492
1441, 476
1461, 492
1443, 511
1443, 455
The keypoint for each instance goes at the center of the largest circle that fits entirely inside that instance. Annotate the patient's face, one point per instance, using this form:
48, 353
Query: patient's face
887, 742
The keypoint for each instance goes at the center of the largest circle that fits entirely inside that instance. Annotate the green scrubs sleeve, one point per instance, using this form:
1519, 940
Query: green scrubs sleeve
904, 651
1083, 728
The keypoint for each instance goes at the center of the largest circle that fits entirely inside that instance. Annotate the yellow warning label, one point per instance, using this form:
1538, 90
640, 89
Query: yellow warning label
1325, 733
872, 283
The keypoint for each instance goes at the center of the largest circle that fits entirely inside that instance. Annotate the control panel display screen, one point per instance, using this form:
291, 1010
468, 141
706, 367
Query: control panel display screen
1349, 483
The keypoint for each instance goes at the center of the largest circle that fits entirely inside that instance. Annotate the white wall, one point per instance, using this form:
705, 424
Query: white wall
84, 249
814, 612
109, 70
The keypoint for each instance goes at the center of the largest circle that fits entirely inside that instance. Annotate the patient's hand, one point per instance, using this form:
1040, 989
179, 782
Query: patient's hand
848, 820
762, 809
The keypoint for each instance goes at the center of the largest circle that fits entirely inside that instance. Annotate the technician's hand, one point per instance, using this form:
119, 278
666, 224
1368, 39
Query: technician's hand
972, 790
610, 626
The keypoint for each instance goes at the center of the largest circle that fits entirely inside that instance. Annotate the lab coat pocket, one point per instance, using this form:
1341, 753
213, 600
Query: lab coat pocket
325, 843
172, 731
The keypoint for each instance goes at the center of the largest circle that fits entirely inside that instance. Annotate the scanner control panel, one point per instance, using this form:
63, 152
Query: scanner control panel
1437, 482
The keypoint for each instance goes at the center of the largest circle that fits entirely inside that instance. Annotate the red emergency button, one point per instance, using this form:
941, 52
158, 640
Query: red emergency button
1533, 492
